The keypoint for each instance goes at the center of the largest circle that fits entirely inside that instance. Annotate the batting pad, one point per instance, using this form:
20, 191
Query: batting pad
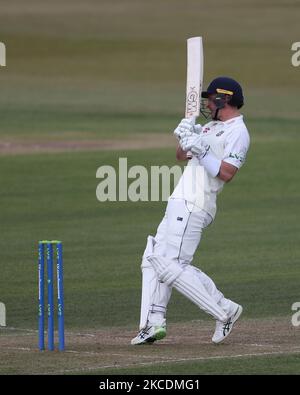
155, 294
183, 279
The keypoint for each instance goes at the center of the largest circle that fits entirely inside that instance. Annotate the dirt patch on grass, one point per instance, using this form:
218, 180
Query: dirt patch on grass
15, 147
107, 349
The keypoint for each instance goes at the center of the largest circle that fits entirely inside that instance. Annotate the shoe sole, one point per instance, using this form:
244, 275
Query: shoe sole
158, 335
235, 317
237, 314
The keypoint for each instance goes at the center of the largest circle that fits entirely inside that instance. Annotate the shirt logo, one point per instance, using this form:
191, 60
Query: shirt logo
220, 133
206, 130
239, 157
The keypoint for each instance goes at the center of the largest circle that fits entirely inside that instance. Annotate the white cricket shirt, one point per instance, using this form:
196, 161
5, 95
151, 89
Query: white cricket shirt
229, 141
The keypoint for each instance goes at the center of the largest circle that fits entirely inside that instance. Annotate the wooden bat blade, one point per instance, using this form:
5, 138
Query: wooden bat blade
194, 76
194, 79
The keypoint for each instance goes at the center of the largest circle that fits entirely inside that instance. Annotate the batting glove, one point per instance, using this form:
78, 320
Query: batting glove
186, 128
194, 144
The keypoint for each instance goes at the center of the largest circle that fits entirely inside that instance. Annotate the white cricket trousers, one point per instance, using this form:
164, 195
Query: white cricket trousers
177, 239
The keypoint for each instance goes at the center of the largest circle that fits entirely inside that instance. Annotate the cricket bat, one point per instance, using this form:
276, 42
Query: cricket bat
194, 79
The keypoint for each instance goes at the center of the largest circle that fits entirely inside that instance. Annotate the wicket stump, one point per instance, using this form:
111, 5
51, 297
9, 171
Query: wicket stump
47, 246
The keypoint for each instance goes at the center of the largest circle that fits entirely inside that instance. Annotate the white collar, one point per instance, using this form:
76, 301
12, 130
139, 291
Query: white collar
233, 120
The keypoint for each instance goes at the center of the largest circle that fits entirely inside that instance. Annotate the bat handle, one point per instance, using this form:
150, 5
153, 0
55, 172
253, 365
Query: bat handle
189, 154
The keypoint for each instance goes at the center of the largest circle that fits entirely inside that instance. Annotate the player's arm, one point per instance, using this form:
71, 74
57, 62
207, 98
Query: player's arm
235, 154
227, 171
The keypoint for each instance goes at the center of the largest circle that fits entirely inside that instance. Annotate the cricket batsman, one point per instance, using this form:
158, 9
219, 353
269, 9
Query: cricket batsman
218, 150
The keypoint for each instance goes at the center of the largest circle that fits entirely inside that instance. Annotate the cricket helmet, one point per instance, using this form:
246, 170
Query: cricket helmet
225, 87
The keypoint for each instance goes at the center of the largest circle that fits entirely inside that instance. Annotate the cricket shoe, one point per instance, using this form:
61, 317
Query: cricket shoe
223, 329
149, 334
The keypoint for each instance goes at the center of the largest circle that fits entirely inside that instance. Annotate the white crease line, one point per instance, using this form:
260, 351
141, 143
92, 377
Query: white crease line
17, 348
117, 366
10, 328
258, 345
15, 335
101, 354
88, 353
92, 353
31, 331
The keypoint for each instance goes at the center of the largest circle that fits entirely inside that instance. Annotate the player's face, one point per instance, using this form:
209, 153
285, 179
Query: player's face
211, 105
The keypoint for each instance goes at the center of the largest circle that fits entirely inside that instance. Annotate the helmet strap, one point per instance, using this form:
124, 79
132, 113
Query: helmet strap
215, 117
